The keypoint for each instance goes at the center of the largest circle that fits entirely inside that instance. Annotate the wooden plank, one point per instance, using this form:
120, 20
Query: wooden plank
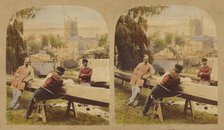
200, 93
79, 93
191, 91
88, 93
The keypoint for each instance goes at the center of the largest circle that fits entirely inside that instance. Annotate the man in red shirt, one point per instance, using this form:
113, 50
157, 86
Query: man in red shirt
50, 89
204, 72
85, 74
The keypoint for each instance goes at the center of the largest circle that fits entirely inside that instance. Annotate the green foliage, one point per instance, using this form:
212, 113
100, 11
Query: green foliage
44, 41
169, 38
130, 38
51, 40
32, 46
179, 40
103, 42
175, 53
157, 42
146, 11
16, 49
51, 53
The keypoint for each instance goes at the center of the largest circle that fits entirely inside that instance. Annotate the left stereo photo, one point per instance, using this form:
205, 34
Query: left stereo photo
57, 67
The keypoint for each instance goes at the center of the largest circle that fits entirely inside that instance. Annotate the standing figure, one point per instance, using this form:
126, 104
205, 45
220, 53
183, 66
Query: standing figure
204, 72
50, 89
141, 73
85, 74
22, 76
168, 87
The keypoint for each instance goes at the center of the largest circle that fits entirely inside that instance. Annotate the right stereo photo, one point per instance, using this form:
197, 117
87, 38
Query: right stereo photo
165, 66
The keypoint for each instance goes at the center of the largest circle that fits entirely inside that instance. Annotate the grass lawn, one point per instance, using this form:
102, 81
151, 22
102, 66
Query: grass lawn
173, 114
55, 116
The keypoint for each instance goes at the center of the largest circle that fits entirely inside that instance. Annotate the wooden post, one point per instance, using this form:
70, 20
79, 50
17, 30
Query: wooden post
157, 110
188, 106
71, 107
41, 111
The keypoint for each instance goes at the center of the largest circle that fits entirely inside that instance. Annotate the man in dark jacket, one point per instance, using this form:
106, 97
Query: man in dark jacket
168, 87
50, 89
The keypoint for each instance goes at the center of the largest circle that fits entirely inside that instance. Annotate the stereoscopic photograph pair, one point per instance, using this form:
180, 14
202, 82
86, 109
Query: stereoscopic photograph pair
164, 59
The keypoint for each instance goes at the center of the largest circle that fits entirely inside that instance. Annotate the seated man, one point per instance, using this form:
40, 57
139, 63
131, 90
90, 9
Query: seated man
168, 87
22, 76
51, 89
204, 72
85, 74
142, 72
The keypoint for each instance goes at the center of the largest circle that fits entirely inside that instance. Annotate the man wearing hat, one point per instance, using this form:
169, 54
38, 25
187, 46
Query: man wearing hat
85, 74
22, 76
168, 87
204, 72
141, 73
50, 89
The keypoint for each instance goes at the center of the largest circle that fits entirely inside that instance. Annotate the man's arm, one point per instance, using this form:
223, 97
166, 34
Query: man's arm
80, 73
90, 73
30, 76
199, 72
149, 73
136, 68
16, 74
207, 73
31, 72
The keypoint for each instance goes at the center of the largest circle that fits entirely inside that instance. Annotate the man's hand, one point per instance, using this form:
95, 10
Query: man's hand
201, 74
82, 75
146, 76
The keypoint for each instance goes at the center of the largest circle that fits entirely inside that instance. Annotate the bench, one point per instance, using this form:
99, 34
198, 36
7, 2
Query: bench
191, 91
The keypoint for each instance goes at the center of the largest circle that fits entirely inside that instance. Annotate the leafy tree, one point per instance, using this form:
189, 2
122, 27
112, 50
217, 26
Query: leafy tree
32, 46
179, 40
16, 49
103, 42
169, 38
175, 53
44, 41
158, 44
51, 53
53, 56
53, 41
130, 38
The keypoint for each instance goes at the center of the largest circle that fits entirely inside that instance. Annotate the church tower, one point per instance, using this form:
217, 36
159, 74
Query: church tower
70, 27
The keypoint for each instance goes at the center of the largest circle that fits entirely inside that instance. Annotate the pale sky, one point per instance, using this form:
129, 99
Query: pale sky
181, 12
179, 15
53, 17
